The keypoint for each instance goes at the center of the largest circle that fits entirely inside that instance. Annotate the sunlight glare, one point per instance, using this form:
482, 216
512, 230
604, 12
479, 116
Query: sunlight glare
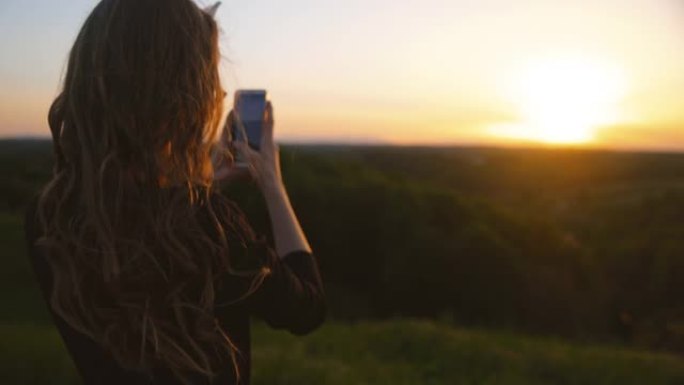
563, 100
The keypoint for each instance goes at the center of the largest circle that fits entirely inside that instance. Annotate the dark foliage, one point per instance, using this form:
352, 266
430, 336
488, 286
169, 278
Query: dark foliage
584, 244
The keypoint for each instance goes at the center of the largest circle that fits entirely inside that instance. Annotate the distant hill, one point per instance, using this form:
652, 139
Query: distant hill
574, 243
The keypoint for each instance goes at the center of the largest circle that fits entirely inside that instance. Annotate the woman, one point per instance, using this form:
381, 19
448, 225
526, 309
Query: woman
149, 273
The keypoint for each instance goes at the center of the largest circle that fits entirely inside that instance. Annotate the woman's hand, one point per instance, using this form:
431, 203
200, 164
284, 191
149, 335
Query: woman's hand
263, 165
222, 158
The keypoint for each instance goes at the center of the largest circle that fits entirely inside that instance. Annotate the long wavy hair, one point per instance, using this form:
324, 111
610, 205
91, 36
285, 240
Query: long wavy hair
135, 267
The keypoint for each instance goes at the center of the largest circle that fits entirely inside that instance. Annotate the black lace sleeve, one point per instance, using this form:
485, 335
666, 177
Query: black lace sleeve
291, 294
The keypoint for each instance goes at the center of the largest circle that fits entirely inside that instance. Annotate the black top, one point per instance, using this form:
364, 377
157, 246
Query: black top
290, 298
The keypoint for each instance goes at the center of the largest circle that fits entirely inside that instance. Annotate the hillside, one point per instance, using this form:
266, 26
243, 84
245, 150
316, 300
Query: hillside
580, 245
407, 352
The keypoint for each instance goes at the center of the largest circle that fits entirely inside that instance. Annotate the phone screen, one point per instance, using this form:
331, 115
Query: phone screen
249, 111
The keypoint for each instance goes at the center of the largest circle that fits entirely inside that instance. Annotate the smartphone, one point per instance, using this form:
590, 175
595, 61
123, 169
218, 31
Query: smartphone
248, 116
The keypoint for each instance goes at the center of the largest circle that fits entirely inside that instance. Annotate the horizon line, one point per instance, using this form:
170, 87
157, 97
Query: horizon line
377, 143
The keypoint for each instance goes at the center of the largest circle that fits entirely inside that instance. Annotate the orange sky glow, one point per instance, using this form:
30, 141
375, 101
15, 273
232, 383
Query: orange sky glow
606, 74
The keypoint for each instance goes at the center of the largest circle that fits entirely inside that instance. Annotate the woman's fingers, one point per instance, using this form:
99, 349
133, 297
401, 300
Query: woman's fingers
263, 164
267, 127
246, 151
227, 133
230, 174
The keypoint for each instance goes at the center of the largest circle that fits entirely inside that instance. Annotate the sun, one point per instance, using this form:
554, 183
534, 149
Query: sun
563, 100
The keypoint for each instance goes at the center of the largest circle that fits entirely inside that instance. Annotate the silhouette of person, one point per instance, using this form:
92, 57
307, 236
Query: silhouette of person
150, 273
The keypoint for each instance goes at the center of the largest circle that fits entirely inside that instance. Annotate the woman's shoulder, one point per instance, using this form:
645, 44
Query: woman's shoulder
249, 250
221, 210
223, 206
219, 200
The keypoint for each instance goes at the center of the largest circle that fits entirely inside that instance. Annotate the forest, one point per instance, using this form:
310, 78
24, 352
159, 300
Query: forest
582, 245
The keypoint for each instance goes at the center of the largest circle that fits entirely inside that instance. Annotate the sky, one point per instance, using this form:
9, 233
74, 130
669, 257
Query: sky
588, 73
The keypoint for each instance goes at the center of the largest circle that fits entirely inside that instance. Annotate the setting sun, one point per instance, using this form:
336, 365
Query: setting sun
563, 100
600, 74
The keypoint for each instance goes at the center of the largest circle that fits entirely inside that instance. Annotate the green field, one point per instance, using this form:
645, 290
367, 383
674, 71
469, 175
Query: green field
389, 352
550, 247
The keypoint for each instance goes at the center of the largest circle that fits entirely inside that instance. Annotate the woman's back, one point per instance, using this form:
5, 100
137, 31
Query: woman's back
290, 297
146, 270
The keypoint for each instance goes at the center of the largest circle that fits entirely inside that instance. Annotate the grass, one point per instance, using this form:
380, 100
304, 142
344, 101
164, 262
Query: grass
401, 352
398, 352
34, 354
427, 352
